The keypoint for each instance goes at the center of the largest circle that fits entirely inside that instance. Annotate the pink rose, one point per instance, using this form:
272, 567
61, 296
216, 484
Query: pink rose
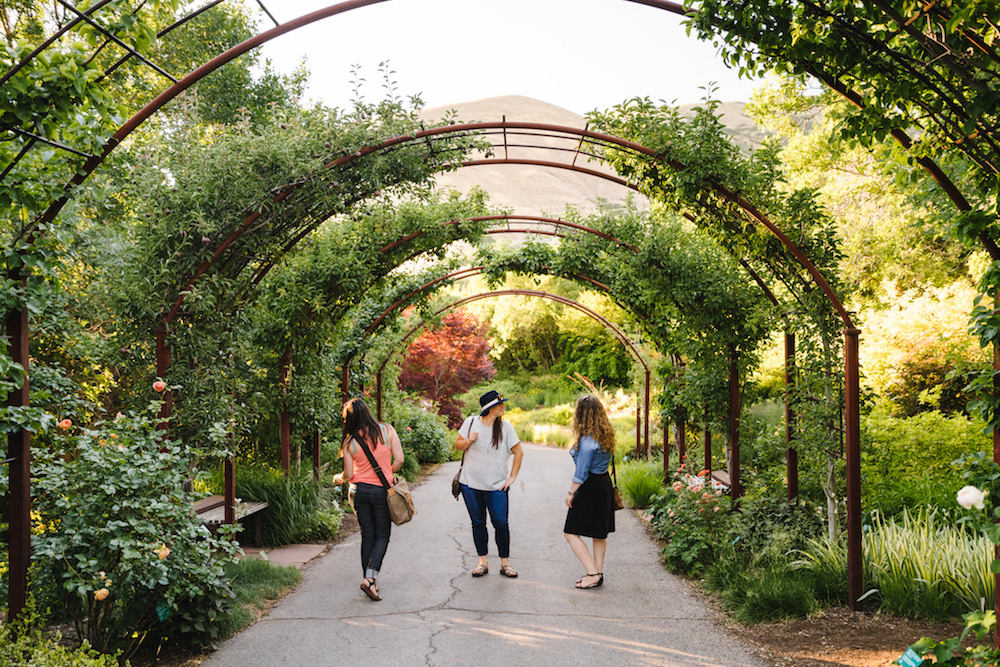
66, 423
159, 385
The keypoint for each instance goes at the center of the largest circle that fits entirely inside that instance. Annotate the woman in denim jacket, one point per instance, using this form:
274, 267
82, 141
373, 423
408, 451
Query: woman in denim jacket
591, 499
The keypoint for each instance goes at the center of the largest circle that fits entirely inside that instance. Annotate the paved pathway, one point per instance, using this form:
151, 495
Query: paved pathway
434, 613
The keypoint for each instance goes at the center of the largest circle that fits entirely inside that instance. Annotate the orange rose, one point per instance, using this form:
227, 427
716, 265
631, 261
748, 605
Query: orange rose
101, 594
66, 423
159, 385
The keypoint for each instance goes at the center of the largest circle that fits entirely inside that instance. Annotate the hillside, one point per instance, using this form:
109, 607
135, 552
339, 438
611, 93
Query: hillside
531, 190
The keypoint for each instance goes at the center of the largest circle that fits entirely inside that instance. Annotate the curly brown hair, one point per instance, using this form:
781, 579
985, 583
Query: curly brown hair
591, 419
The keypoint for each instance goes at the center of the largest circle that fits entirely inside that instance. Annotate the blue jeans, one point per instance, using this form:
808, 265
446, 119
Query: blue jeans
495, 502
373, 516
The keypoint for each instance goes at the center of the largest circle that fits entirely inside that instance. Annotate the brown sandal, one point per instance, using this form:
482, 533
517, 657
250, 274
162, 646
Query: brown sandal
480, 570
508, 571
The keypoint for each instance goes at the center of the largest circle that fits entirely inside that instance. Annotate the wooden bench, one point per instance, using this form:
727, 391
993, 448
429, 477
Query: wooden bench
722, 477
212, 512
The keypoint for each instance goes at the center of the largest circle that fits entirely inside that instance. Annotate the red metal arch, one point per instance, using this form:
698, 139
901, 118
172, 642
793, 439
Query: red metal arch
851, 333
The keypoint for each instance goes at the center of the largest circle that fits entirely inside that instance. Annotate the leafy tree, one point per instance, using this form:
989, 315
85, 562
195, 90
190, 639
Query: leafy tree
926, 75
886, 225
447, 361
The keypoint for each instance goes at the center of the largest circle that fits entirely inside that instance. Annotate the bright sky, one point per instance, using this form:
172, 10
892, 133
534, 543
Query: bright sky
577, 54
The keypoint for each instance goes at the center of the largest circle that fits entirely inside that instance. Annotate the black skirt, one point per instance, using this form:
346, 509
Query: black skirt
593, 510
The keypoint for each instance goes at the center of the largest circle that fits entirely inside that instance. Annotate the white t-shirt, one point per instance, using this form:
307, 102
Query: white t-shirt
485, 468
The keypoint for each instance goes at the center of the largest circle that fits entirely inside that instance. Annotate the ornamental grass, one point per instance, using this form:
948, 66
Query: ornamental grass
915, 565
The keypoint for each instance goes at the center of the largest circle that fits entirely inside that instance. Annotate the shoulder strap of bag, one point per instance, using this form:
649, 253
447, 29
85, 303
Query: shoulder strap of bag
614, 477
469, 422
375, 466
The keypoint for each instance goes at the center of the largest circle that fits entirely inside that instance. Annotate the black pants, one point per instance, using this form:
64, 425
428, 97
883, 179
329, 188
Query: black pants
373, 516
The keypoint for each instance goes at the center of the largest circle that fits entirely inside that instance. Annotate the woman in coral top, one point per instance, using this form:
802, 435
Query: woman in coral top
370, 502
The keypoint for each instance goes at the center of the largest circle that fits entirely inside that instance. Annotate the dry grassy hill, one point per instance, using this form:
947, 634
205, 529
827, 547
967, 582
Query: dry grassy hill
531, 190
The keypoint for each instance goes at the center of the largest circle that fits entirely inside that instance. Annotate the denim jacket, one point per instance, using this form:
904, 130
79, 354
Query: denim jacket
589, 459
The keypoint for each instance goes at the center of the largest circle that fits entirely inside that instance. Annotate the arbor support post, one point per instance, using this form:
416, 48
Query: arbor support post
285, 427
638, 425
736, 486
666, 450
855, 576
317, 441
791, 453
345, 381
378, 396
645, 435
163, 362
19, 460
681, 440
229, 489
707, 463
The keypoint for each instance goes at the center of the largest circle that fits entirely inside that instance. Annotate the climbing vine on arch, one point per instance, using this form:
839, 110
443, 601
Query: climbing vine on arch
213, 211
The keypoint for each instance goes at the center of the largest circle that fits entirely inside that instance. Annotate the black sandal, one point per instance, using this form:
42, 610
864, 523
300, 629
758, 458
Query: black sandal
599, 582
370, 589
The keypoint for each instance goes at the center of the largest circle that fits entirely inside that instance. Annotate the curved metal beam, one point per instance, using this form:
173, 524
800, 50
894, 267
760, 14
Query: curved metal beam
622, 338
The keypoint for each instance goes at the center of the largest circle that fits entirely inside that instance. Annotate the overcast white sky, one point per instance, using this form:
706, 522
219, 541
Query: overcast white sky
577, 54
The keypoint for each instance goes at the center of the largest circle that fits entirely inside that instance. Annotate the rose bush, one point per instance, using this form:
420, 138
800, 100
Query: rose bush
690, 517
121, 552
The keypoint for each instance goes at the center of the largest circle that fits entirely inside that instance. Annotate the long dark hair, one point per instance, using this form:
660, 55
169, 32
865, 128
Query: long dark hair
497, 432
360, 424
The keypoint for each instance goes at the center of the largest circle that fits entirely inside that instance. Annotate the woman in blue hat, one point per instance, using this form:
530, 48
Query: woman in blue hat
487, 442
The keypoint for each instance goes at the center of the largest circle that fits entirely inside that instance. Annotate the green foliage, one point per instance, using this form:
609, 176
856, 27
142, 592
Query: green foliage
25, 642
532, 393
692, 520
768, 595
423, 434
120, 549
914, 565
255, 583
907, 462
951, 652
771, 527
640, 482
298, 509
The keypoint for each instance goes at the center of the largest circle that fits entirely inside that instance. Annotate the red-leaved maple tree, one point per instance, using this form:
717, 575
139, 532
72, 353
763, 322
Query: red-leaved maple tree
447, 361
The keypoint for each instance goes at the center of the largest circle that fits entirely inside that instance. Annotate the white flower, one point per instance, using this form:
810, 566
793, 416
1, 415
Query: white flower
970, 496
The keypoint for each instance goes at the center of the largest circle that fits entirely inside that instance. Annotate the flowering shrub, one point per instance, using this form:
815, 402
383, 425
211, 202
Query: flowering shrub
691, 517
978, 497
123, 553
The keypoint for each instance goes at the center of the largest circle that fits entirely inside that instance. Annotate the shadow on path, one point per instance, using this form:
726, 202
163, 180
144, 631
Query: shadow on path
435, 613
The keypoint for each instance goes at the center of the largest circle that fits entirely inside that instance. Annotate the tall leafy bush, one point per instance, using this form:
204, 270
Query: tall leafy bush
120, 548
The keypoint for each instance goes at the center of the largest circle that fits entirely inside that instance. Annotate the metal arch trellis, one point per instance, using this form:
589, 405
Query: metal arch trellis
529, 129
233, 257
618, 334
584, 138
791, 453
80, 16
